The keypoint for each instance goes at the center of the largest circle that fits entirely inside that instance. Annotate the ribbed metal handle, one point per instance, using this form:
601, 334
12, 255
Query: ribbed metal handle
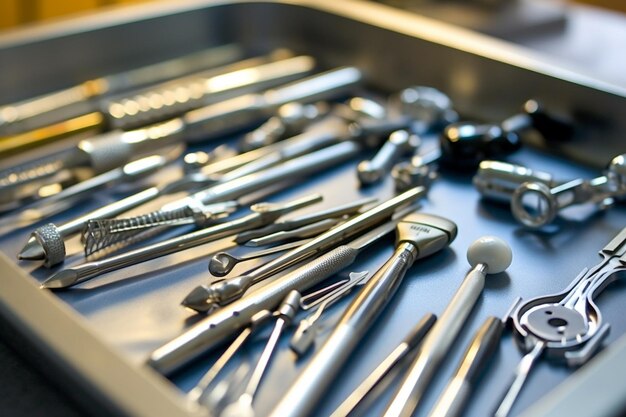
175, 98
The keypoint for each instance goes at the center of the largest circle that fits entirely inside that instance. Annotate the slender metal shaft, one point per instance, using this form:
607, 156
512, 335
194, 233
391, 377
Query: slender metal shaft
476, 357
383, 369
521, 374
437, 343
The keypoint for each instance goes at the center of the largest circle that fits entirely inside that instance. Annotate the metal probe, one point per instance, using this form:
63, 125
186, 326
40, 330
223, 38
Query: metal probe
475, 359
418, 235
414, 337
487, 255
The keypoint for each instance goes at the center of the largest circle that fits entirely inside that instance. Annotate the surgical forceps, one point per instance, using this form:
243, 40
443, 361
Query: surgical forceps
567, 326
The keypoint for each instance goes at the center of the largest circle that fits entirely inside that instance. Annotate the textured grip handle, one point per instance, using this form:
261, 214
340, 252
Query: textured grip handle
223, 323
175, 98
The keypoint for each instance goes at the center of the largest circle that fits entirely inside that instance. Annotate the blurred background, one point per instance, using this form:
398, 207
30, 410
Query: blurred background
19, 12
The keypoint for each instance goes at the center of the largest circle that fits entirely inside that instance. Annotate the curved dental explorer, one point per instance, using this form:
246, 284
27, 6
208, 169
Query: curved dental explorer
487, 255
413, 339
47, 242
418, 236
263, 213
223, 323
206, 298
567, 326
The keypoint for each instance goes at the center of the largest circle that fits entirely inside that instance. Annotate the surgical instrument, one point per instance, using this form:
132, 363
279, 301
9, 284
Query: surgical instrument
421, 170
305, 303
79, 100
536, 198
429, 109
112, 149
487, 255
56, 203
100, 235
222, 263
262, 214
418, 236
412, 340
285, 313
464, 144
200, 390
47, 242
478, 354
497, 180
221, 324
229, 115
205, 298
290, 120
337, 211
567, 326
546, 202
309, 230
304, 336
399, 143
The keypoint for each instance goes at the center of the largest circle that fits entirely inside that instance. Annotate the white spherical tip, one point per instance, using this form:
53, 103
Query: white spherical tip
491, 251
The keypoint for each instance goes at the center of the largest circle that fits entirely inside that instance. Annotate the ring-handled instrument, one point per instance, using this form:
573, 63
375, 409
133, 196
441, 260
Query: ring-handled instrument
222, 323
206, 298
418, 236
567, 327
536, 198
487, 255
262, 213
410, 342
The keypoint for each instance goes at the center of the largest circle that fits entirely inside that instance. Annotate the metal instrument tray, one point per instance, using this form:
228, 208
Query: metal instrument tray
99, 334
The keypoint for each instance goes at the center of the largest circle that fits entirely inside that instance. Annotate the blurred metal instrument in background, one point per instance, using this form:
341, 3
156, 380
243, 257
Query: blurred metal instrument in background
83, 98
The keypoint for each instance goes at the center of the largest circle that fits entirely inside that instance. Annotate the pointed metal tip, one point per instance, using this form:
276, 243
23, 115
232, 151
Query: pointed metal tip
32, 251
198, 300
61, 279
